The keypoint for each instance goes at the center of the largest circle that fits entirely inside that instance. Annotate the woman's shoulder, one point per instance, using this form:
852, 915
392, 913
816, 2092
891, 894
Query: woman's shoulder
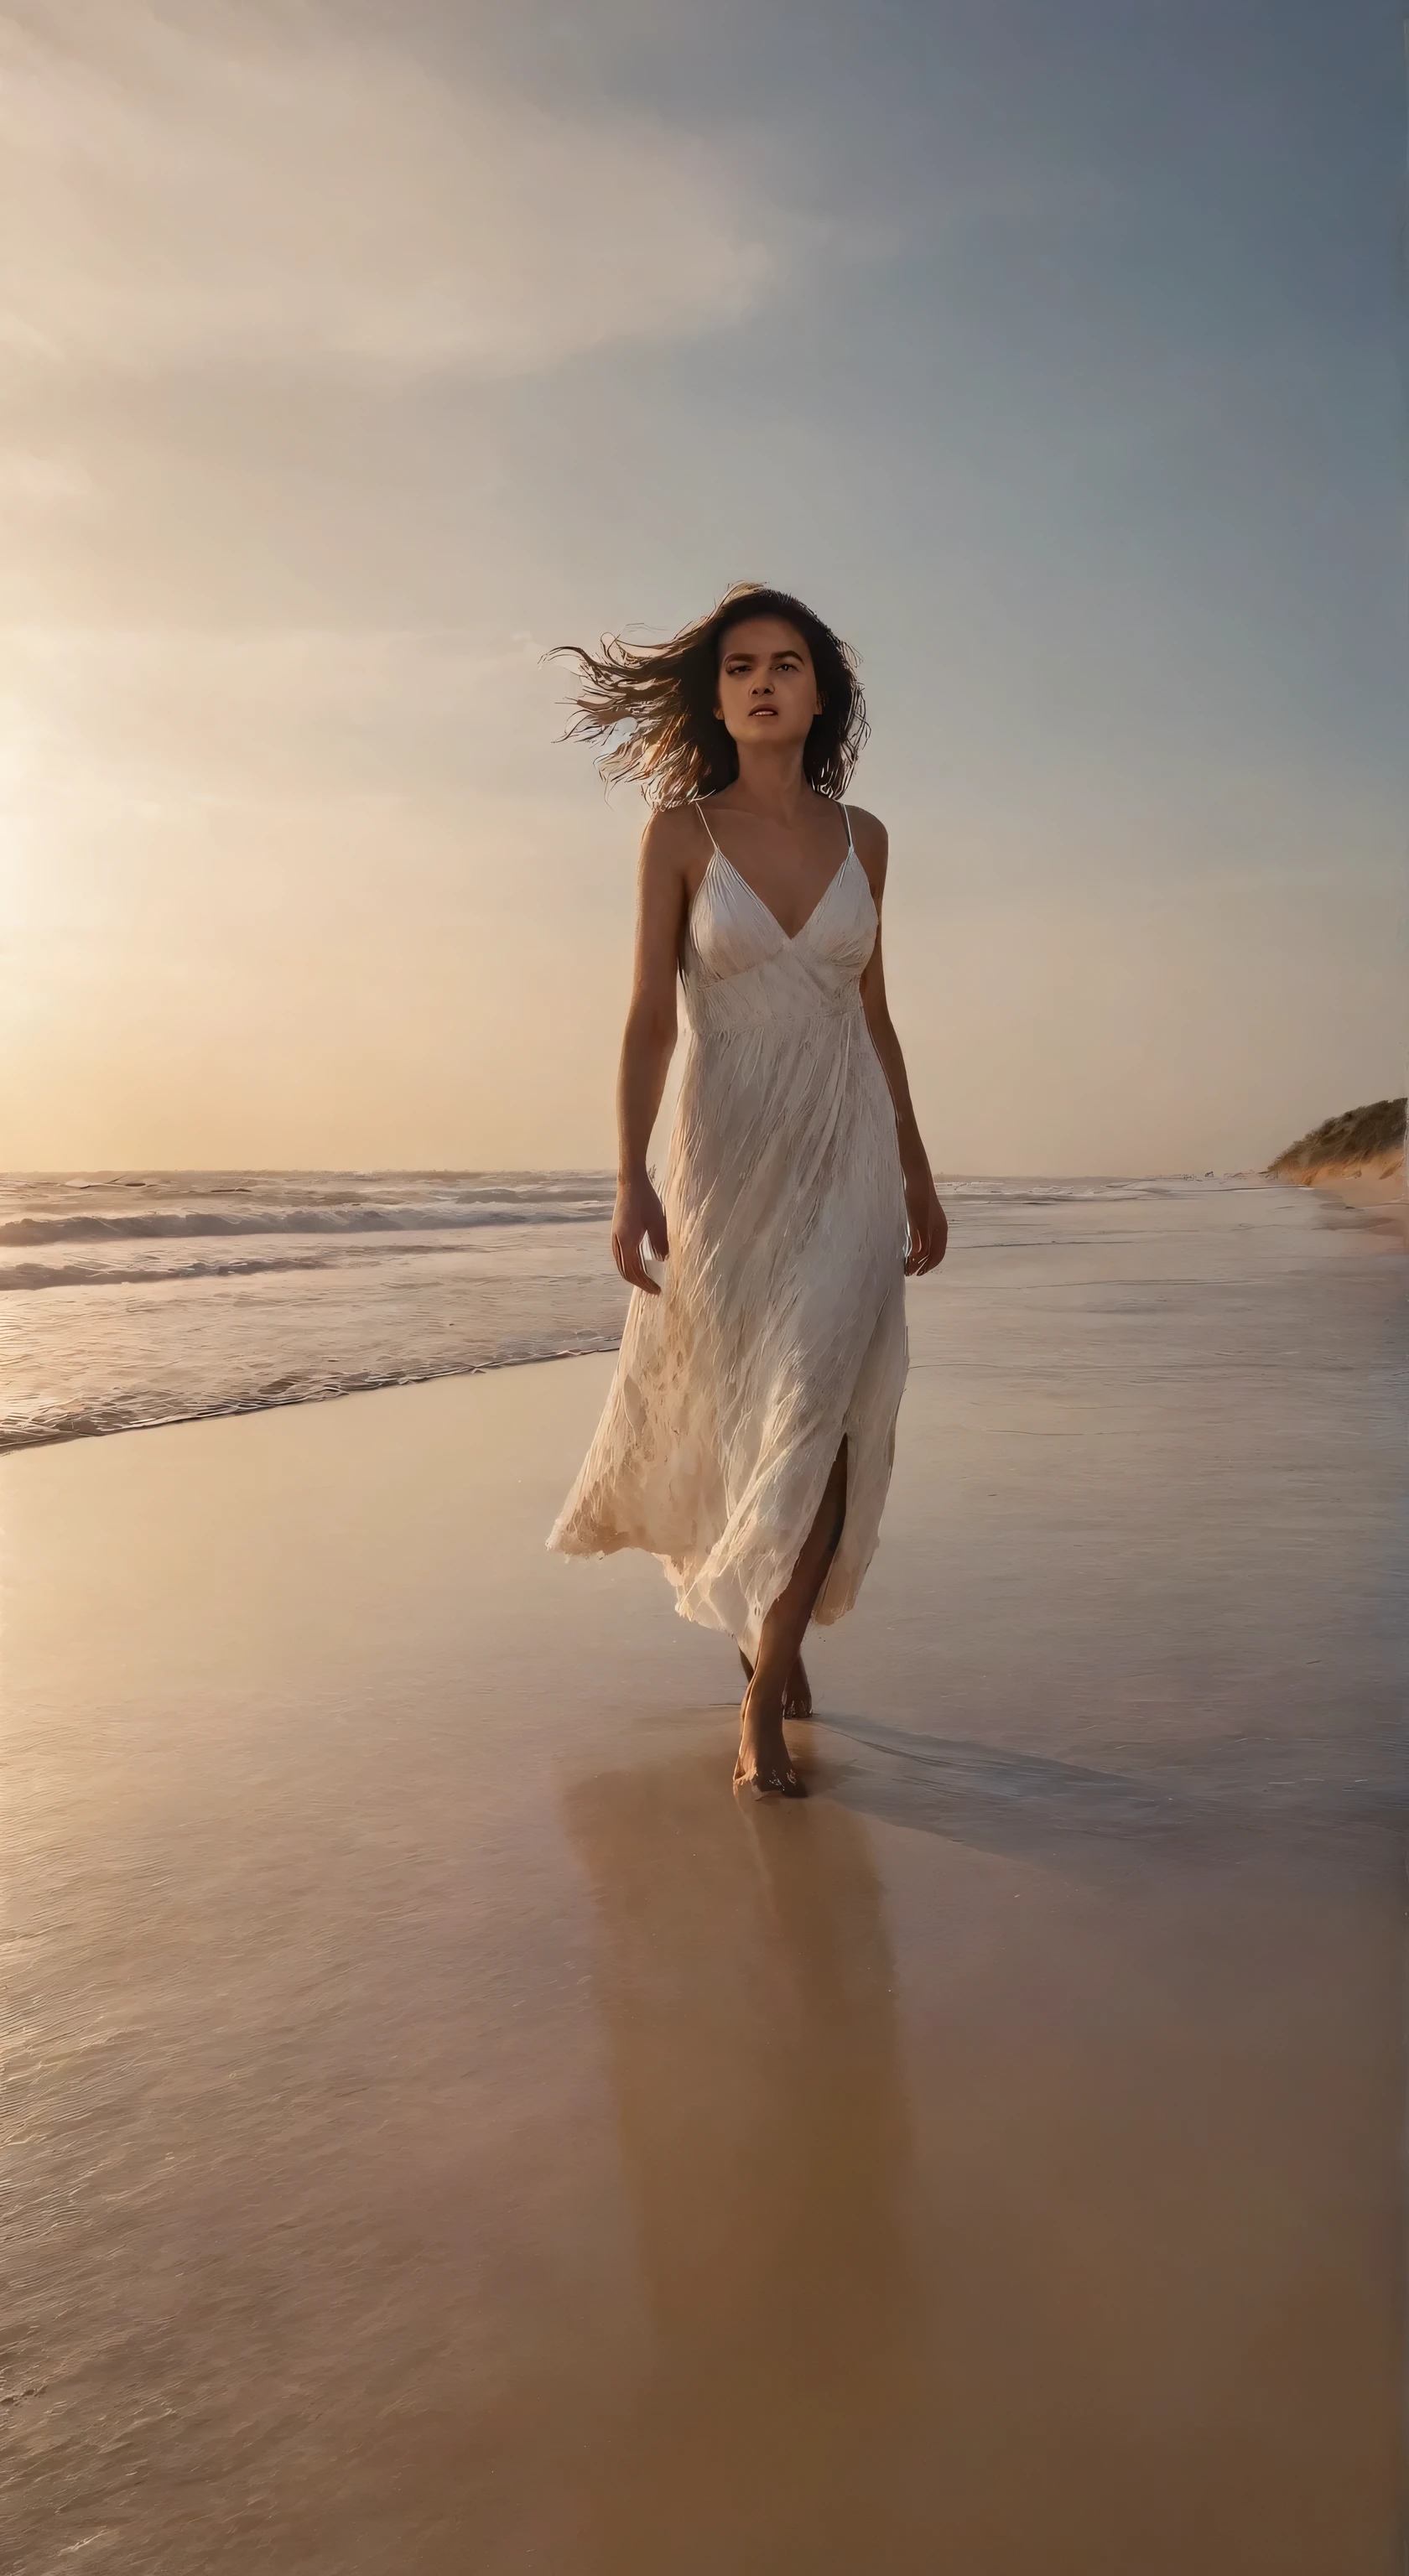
672, 828
871, 843
672, 842
866, 827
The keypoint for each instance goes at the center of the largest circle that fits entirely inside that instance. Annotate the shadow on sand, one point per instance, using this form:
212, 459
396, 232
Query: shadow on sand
1076, 1818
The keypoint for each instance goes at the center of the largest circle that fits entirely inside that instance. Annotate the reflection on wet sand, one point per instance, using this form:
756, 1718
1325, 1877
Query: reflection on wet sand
747, 1995
1074, 2248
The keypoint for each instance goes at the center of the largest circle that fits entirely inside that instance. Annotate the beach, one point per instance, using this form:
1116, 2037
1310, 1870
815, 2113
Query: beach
1382, 1193
445, 2130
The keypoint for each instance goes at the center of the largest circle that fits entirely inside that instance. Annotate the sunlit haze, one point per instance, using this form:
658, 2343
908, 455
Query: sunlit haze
355, 355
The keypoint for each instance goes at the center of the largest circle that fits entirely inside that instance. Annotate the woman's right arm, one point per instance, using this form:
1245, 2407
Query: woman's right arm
647, 1046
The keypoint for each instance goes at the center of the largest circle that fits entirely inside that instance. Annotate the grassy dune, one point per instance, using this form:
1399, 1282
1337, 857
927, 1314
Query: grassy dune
1361, 1143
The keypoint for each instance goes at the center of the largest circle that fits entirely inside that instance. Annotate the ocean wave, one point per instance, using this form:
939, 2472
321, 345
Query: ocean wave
156, 1273
82, 1274
170, 1225
1045, 1193
46, 1425
537, 1199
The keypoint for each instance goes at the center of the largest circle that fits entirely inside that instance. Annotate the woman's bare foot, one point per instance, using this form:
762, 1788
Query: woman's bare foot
764, 1765
797, 1698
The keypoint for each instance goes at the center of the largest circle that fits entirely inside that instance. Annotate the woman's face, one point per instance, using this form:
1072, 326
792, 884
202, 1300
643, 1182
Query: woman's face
767, 685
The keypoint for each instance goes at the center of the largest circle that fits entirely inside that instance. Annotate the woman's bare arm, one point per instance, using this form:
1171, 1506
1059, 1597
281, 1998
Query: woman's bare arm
647, 1047
929, 1227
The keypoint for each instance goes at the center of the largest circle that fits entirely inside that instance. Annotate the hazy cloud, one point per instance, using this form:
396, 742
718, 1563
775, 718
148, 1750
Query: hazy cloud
112, 720
252, 185
33, 485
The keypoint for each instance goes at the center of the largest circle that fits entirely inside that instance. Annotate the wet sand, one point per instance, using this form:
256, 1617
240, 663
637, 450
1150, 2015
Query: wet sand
445, 2132
1381, 1192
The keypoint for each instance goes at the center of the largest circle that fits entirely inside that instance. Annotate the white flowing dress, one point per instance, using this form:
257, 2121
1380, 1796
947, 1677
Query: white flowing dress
780, 1328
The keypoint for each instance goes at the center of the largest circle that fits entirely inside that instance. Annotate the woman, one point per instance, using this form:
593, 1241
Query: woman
748, 1436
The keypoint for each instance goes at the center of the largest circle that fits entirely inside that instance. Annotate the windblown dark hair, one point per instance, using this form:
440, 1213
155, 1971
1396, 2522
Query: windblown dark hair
653, 704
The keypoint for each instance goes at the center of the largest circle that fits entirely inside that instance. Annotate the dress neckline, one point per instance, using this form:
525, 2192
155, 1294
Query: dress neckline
791, 937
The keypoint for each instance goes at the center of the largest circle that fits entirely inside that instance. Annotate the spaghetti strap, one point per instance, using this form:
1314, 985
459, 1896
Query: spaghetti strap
850, 844
698, 802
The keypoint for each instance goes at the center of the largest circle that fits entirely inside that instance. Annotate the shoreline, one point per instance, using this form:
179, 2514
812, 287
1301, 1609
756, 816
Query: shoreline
83, 1363
1376, 1187
10, 1447
1376, 1190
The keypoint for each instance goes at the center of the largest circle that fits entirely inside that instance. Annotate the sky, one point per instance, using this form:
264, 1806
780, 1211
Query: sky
354, 354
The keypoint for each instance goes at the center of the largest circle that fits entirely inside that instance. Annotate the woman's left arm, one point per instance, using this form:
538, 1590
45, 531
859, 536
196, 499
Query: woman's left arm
928, 1224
